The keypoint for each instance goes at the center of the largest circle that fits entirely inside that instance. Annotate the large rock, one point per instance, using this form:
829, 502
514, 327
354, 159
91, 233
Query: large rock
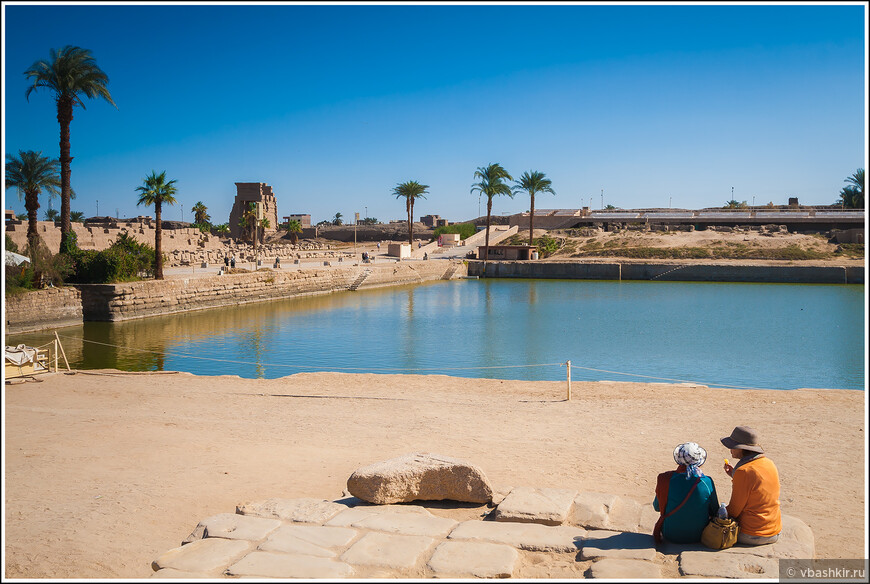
421, 476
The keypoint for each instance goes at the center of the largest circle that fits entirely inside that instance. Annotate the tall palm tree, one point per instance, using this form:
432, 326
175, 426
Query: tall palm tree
156, 191
249, 222
533, 182
200, 214
491, 183
69, 73
411, 190
32, 173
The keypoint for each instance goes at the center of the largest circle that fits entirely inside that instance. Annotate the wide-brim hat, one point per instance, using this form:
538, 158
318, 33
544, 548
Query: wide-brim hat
743, 438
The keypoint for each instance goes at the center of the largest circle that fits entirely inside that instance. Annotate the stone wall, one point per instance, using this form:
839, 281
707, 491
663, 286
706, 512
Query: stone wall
670, 272
116, 302
42, 309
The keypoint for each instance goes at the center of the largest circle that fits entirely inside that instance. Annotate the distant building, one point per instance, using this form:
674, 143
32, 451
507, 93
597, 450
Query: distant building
260, 193
433, 221
304, 220
10, 215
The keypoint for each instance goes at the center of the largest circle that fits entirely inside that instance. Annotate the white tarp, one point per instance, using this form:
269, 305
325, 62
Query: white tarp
14, 259
20, 355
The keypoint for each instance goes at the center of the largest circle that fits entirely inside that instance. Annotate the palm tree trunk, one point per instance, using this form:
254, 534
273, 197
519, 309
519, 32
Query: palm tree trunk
158, 243
64, 118
31, 203
411, 224
408, 211
531, 218
486, 253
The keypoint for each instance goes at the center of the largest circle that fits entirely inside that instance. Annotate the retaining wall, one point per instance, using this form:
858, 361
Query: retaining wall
42, 309
116, 302
670, 272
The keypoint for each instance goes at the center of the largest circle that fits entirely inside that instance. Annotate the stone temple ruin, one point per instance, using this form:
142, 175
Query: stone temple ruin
253, 193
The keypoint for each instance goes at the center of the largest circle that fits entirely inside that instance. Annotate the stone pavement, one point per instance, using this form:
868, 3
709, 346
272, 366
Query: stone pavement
530, 533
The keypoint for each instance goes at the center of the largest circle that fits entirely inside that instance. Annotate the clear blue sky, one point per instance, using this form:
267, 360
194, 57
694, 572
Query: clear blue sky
333, 105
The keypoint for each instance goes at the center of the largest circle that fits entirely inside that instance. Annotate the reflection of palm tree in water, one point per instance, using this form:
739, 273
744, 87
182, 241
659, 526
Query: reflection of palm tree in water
256, 343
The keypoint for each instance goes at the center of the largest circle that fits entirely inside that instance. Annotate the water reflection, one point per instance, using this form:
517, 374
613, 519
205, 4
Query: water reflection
754, 335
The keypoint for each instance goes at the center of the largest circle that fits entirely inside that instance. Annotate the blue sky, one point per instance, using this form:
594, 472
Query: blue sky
333, 105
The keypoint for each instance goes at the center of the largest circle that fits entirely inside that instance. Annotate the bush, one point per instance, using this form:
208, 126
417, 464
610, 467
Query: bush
465, 230
546, 245
11, 245
125, 260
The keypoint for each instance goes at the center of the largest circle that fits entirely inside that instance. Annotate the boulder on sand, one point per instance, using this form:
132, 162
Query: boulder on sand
421, 476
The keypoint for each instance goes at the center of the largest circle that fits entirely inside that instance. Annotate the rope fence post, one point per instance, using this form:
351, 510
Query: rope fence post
62, 351
55, 355
568, 364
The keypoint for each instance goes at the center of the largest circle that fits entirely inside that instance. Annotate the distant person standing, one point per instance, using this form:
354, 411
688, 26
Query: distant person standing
233, 261
379, 246
226, 261
277, 262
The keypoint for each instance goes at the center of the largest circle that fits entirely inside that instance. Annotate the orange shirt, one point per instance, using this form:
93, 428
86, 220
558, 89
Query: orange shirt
755, 498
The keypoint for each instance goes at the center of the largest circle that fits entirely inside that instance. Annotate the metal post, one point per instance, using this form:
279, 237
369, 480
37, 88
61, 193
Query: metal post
568, 363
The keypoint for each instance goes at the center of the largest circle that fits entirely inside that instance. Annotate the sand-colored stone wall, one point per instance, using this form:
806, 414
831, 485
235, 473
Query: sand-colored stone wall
42, 309
116, 302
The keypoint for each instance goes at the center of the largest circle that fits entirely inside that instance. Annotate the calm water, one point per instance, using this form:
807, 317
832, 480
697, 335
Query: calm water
775, 336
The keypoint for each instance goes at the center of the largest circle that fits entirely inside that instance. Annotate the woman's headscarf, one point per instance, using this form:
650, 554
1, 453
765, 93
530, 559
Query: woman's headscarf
691, 455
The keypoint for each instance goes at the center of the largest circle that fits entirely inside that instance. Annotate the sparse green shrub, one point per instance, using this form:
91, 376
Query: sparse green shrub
124, 261
11, 245
465, 230
546, 245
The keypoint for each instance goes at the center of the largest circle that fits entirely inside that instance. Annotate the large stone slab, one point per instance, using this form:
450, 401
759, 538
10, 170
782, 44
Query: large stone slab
420, 476
234, 526
531, 505
617, 569
269, 565
399, 552
614, 513
305, 510
527, 536
408, 524
473, 559
313, 540
356, 514
796, 541
618, 545
713, 564
204, 555
173, 574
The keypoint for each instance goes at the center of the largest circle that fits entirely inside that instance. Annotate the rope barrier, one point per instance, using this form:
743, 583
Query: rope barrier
407, 369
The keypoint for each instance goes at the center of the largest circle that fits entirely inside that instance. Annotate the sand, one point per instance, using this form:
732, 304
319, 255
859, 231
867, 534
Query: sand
104, 471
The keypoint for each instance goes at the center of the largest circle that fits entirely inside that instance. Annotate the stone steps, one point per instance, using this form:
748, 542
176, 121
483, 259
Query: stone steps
348, 538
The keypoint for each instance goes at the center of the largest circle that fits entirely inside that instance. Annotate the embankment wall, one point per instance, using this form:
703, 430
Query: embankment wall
42, 309
670, 272
116, 302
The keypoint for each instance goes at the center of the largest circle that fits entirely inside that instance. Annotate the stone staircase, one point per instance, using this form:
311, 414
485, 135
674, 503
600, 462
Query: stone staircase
451, 271
359, 280
531, 533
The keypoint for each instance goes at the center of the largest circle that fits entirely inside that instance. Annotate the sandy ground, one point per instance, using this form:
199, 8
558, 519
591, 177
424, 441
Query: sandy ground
105, 471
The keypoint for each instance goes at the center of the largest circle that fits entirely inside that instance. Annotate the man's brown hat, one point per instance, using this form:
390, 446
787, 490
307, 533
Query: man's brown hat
744, 438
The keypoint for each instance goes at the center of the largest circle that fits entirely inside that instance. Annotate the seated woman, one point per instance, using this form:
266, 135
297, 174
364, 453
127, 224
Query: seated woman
754, 489
689, 497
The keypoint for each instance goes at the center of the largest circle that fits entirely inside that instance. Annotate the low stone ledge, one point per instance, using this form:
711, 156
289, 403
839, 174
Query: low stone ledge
530, 505
408, 524
618, 545
205, 555
398, 552
234, 526
619, 569
304, 510
527, 536
270, 565
711, 564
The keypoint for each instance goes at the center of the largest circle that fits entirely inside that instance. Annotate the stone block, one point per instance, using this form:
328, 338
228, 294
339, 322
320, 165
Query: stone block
420, 476
292, 538
465, 559
526, 536
408, 524
617, 569
399, 552
204, 555
304, 510
354, 515
531, 505
173, 574
713, 564
618, 545
614, 513
269, 565
234, 526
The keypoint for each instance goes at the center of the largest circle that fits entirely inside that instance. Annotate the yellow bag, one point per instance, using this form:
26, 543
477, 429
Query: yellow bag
720, 534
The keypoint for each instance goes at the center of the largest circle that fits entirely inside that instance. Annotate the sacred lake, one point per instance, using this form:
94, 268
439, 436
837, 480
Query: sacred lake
767, 336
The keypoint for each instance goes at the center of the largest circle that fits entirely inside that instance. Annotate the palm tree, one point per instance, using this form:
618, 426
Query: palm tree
533, 182
32, 173
51, 215
337, 220
69, 73
77, 216
491, 183
294, 228
156, 191
411, 190
248, 221
200, 214
852, 196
